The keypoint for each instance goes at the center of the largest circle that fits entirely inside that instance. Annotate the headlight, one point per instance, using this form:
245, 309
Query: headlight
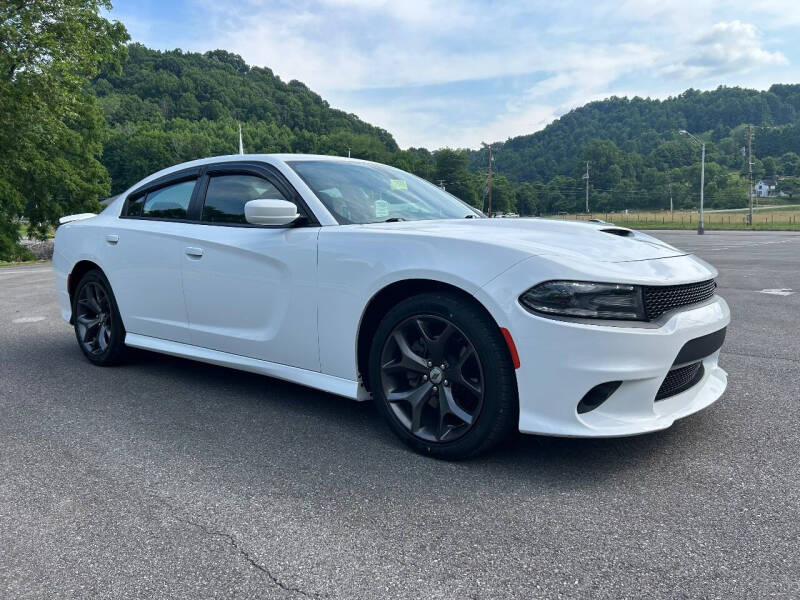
586, 300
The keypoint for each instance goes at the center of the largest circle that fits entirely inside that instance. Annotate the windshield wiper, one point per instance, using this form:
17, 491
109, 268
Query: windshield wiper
470, 216
394, 219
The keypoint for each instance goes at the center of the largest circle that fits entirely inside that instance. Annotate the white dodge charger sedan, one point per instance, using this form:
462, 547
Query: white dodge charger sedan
365, 281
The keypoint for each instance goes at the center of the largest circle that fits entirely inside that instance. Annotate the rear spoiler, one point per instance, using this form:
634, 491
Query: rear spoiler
80, 217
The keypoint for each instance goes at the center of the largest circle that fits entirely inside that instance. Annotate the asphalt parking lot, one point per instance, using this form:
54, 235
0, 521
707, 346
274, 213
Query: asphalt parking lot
166, 478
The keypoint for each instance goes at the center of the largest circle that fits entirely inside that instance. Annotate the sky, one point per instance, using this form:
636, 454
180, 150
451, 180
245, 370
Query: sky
457, 73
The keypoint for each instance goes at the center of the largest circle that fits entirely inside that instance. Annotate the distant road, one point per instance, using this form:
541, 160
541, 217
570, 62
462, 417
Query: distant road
720, 210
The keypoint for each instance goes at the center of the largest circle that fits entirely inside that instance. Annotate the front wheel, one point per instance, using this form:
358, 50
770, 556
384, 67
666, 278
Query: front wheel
441, 375
98, 325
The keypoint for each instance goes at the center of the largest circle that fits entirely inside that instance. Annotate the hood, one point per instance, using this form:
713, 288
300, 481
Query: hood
599, 242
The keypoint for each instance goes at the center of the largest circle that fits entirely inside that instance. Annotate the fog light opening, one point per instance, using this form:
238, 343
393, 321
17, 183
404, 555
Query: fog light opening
597, 395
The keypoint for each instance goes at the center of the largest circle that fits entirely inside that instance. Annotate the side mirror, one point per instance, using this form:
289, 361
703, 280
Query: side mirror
270, 212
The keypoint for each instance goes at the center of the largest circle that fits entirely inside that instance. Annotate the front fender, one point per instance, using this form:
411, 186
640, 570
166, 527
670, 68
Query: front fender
356, 264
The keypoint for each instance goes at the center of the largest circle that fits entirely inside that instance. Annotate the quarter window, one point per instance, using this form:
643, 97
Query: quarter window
170, 202
135, 207
227, 195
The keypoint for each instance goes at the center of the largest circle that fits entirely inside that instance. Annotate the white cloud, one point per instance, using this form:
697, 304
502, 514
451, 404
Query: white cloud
581, 76
730, 47
673, 15
399, 54
360, 44
356, 52
419, 13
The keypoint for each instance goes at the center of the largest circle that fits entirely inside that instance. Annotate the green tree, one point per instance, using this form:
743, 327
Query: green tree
503, 196
790, 186
451, 169
789, 164
526, 194
51, 125
770, 167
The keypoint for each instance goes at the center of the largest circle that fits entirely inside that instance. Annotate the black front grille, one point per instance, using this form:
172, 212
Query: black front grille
680, 379
659, 299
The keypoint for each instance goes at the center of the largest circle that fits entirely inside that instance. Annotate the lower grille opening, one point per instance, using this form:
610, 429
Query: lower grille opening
597, 395
680, 379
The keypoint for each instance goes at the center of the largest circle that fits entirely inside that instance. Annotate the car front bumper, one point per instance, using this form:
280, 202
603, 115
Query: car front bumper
562, 360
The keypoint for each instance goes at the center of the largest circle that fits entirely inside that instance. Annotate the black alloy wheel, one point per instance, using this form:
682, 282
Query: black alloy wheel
93, 319
98, 326
432, 378
442, 376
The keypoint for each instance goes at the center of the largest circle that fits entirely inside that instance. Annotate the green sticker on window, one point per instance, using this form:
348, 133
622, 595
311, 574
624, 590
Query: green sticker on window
398, 184
381, 208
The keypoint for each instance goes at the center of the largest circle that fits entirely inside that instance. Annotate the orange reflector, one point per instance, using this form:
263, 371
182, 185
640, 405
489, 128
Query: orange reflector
512, 348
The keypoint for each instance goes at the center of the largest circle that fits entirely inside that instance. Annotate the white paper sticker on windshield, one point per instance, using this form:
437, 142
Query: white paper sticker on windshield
381, 208
332, 192
398, 184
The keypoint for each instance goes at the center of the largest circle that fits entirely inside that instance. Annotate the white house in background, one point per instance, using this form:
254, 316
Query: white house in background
765, 187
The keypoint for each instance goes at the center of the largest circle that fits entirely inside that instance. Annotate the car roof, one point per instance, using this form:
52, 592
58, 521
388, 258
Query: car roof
266, 158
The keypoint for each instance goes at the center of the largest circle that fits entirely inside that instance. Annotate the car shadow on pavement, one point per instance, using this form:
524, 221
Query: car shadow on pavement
350, 429
239, 424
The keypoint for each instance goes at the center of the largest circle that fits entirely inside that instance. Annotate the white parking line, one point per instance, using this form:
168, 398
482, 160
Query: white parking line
28, 319
778, 292
13, 271
745, 245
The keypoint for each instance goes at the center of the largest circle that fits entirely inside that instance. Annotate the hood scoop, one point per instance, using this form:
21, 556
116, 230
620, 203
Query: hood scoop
618, 231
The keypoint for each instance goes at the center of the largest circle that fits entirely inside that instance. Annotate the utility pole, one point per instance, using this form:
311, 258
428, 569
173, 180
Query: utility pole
348, 153
586, 177
750, 172
491, 160
441, 183
669, 184
241, 147
700, 229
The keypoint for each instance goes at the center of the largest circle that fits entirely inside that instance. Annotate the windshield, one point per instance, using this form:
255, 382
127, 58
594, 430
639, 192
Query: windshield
372, 193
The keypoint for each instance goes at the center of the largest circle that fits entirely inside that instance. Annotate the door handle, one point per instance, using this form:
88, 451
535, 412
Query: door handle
193, 252
112, 238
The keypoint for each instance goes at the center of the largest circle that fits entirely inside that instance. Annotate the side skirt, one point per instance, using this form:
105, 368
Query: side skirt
313, 379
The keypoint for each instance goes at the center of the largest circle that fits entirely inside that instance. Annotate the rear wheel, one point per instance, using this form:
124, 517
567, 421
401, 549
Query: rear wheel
98, 325
442, 377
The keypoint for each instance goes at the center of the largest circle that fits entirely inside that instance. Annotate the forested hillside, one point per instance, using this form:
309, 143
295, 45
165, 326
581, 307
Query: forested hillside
168, 107
637, 157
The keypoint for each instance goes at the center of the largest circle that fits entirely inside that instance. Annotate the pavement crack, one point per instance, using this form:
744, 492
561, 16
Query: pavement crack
239, 550
244, 554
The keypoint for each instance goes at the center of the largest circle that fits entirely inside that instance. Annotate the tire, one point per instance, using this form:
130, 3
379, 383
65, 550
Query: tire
98, 325
442, 377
